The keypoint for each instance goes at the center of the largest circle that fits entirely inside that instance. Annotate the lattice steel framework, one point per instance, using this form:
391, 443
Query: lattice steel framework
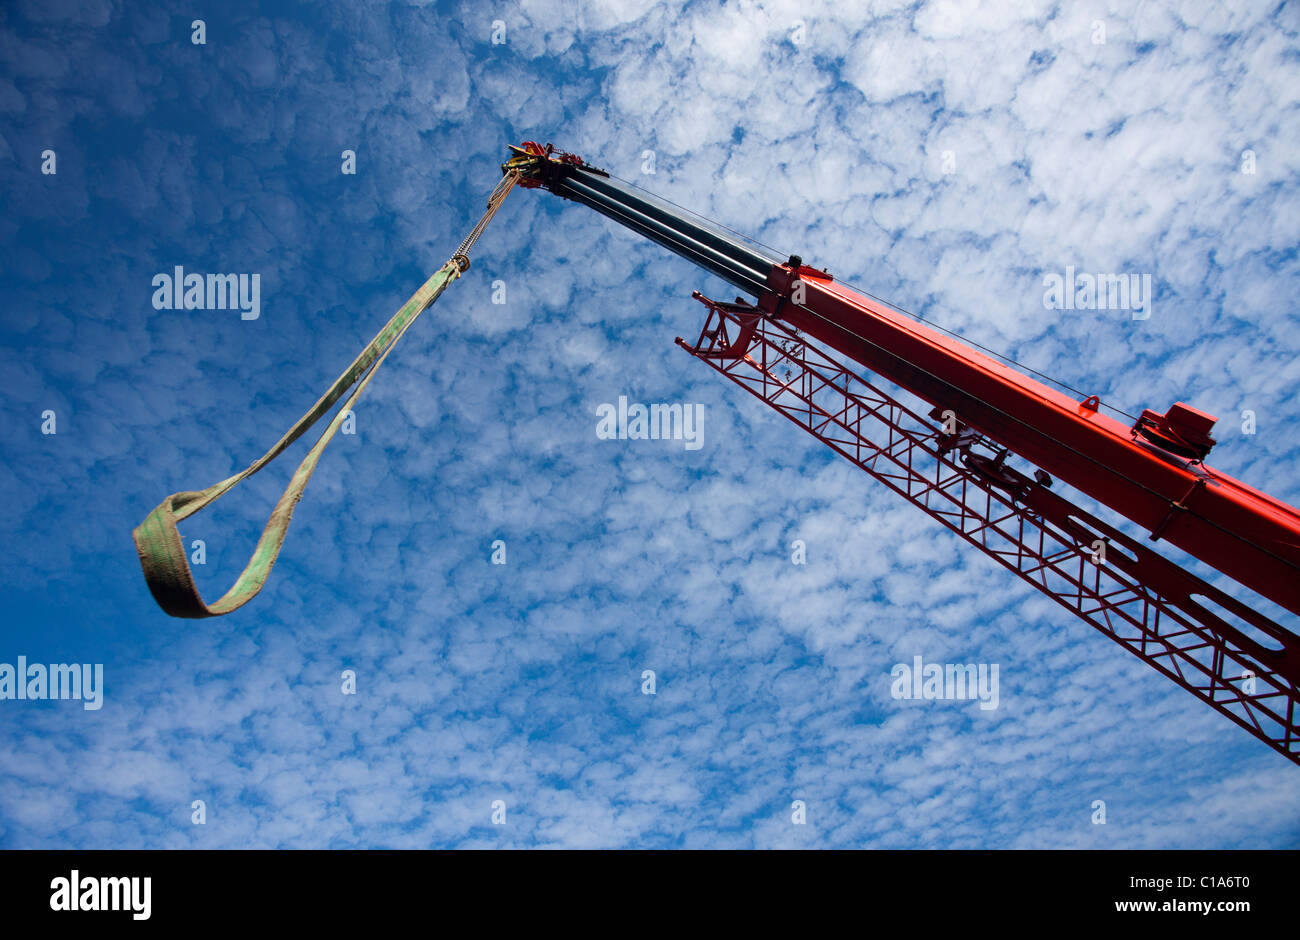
1152, 607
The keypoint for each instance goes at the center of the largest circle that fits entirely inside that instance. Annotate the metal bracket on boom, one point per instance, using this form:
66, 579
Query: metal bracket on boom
1182, 430
543, 165
992, 469
720, 343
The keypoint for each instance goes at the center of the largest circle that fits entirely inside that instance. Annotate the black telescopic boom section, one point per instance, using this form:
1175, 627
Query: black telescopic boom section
716, 251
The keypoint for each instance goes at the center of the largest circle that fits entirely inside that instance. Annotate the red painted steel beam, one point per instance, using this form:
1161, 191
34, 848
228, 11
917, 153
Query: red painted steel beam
1248, 535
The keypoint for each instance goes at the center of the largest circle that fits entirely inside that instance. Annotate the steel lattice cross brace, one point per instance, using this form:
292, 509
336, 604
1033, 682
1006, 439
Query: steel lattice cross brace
1138, 598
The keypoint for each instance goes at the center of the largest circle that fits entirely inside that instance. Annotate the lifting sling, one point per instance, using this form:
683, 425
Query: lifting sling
162, 554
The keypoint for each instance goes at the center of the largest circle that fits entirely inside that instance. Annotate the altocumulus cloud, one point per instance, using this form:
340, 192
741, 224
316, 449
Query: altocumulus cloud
939, 155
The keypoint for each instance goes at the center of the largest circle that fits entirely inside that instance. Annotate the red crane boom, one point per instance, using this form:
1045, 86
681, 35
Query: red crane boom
1151, 473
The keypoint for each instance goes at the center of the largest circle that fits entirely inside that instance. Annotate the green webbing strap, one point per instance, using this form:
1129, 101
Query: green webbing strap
162, 555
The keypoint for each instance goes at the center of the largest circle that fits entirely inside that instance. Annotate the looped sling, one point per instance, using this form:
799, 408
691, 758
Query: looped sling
157, 540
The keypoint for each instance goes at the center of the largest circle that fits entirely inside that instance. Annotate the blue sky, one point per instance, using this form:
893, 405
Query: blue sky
817, 129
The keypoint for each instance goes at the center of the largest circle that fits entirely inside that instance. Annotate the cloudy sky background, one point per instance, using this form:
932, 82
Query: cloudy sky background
815, 129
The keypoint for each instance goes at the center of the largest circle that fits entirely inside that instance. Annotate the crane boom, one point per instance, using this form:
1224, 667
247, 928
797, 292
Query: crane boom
1151, 473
